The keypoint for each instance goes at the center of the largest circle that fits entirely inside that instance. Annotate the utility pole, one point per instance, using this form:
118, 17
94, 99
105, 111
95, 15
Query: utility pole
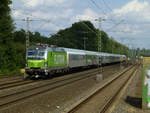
57, 39
85, 38
27, 20
121, 53
27, 33
27, 41
112, 48
100, 44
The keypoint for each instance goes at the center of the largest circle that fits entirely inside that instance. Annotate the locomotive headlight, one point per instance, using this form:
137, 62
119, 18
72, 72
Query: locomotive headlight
46, 64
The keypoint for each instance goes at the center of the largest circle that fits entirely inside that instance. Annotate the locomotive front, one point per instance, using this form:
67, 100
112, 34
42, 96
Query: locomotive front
36, 64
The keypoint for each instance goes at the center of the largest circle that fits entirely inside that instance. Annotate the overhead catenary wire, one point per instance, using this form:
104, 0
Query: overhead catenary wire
88, 27
115, 25
42, 25
98, 7
108, 7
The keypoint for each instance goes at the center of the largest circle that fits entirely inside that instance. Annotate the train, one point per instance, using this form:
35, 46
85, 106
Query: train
44, 61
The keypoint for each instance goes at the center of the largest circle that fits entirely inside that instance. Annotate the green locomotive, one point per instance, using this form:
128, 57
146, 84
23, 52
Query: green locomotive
44, 60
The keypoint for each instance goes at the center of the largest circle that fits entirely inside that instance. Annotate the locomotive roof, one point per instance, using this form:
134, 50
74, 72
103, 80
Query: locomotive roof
36, 47
45, 48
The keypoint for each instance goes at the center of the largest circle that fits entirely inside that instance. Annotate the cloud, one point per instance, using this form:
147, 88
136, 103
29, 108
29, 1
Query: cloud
133, 6
50, 12
134, 10
17, 13
53, 15
87, 14
60, 14
47, 27
136, 15
37, 3
33, 3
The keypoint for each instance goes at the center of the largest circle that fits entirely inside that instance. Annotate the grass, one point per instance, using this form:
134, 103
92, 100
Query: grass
9, 73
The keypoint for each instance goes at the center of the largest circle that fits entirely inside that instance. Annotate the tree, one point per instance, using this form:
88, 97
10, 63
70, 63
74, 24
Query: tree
6, 37
20, 36
74, 36
6, 22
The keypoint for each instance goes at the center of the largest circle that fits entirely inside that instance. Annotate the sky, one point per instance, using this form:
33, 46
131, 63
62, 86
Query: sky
127, 21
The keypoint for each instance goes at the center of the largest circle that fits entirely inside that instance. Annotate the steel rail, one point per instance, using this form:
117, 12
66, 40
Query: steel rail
14, 84
42, 89
108, 103
76, 107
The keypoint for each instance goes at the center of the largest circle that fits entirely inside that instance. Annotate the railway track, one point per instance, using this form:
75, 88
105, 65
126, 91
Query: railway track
7, 76
84, 105
11, 83
12, 77
19, 95
14, 84
108, 103
10, 80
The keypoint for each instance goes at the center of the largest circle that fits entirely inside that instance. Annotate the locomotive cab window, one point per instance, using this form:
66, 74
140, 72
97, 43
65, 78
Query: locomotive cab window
36, 54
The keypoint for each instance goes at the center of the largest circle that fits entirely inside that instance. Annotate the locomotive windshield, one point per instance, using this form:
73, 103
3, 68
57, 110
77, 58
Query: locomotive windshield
36, 54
